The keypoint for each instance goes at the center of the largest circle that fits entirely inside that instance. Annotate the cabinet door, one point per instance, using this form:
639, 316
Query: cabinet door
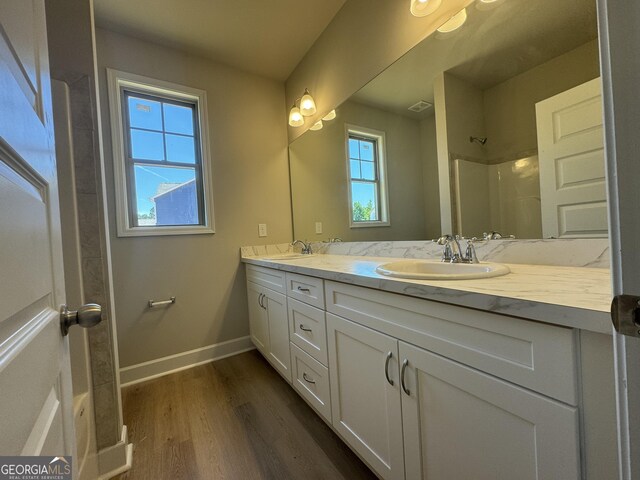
279, 352
461, 423
365, 405
258, 322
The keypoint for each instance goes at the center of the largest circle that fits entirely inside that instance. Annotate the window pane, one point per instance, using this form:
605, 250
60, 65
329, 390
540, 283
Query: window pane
178, 119
144, 113
166, 196
355, 168
354, 150
366, 150
146, 145
364, 200
180, 149
368, 170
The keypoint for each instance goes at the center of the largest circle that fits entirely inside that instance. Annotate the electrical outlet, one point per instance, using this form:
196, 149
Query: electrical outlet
262, 229
318, 227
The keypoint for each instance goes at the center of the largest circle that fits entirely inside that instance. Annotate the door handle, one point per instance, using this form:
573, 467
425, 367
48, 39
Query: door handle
305, 290
86, 316
305, 329
405, 364
260, 300
304, 376
386, 368
625, 314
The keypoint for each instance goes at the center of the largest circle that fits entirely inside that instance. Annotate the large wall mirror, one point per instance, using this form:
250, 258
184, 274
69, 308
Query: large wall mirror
494, 126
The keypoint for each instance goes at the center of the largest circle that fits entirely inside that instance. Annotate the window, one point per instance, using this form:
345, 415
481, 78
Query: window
160, 153
368, 203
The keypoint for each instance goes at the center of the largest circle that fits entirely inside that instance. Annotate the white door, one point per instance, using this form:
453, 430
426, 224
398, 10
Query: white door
619, 25
571, 153
365, 394
461, 423
279, 351
35, 380
258, 322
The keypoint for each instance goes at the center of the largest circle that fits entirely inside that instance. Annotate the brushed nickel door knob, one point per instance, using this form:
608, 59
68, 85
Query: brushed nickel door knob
86, 316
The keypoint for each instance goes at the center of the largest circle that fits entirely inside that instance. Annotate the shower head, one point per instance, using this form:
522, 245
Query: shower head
480, 140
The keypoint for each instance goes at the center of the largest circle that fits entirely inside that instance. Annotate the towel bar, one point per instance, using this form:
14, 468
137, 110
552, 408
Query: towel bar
154, 303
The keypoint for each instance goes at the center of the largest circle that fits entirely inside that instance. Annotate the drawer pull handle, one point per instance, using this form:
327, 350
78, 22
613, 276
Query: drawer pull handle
386, 368
305, 329
304, 375
305, 290
405, 364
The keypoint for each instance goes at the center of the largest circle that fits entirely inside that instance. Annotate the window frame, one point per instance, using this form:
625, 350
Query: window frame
118, 83
379, 138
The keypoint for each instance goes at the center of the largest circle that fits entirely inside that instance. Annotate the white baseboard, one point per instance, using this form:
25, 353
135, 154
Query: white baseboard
116, 459
181, 361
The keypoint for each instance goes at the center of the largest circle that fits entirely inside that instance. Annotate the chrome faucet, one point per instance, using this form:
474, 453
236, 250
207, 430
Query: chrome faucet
306, 246
453, 251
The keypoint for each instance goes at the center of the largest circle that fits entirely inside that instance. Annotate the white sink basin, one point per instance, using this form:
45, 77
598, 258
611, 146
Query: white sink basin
433, 270
288, 256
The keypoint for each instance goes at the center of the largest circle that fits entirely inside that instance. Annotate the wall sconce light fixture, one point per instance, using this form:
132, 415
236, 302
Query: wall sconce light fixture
305, 107
295, 117
307, 104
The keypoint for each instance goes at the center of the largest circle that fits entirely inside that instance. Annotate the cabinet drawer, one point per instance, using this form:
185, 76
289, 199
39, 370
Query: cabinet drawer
306, 289
308, 329
534, 355
267, 277
311, 380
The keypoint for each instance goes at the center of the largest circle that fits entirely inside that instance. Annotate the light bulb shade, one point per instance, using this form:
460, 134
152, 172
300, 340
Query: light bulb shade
307, 104
295, 117
454, 22
316, 126
422, 8
329, 116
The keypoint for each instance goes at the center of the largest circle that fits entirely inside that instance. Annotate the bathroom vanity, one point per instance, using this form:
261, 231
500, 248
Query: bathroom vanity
496, 378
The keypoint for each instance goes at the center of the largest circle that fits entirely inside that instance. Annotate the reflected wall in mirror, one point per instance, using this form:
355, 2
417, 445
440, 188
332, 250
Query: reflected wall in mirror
496, 126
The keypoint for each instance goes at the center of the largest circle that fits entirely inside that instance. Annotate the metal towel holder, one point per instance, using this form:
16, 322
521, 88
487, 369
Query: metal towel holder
154, 303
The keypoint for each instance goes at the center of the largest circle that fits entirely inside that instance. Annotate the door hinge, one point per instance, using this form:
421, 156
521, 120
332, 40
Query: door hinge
625, 314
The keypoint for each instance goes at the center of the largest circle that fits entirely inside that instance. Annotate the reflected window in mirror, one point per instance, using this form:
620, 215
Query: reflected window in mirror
368, 203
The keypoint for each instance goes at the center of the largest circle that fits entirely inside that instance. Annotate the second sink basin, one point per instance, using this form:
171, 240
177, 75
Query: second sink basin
432, 270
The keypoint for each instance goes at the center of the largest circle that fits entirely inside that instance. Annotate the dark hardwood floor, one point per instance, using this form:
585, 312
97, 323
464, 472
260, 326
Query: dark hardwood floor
232, 419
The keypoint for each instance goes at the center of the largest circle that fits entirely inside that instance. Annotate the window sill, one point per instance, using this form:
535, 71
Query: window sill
163, 231
370, 224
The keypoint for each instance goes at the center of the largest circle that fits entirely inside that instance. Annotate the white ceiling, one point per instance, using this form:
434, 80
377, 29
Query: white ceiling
266, 37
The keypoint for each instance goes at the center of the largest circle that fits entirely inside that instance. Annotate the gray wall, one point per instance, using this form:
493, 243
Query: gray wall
319, 177
247, 122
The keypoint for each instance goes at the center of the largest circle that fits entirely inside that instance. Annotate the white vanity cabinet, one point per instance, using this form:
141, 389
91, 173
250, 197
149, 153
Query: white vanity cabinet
268, 319
461, 423
422, 389
365, 394
461, 382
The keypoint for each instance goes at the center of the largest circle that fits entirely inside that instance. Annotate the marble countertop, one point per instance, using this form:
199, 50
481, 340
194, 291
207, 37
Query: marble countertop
577, 297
